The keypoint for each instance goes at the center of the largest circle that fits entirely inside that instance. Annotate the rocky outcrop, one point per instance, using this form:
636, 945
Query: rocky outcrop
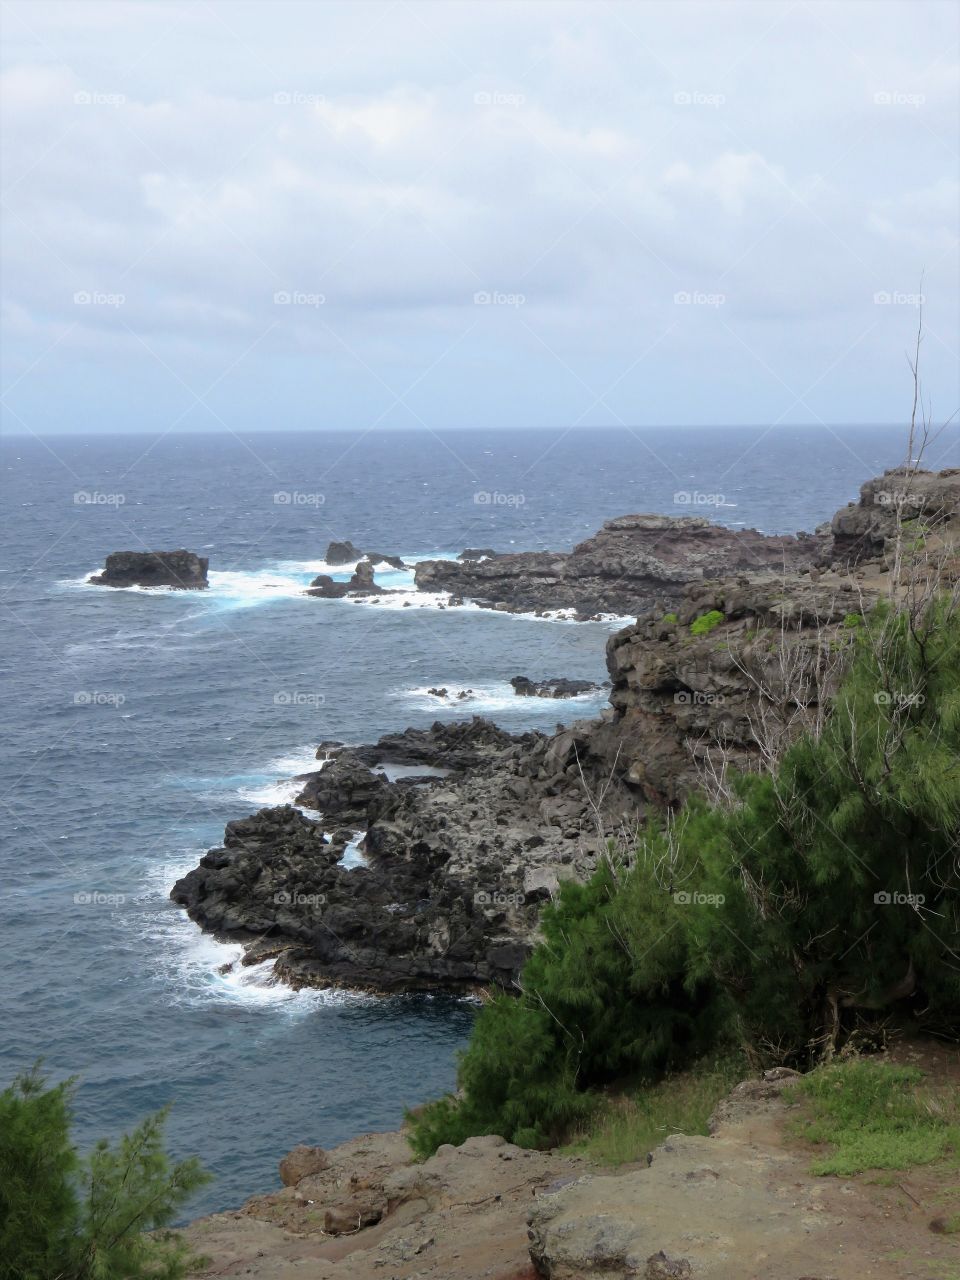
361, 583
866, 529
555, 687
633, 563
344, 553
338, 553
460, 854
181, 570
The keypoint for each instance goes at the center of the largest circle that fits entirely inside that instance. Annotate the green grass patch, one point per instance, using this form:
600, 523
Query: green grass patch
630, 1125
669, 617
875, 1116
703, 625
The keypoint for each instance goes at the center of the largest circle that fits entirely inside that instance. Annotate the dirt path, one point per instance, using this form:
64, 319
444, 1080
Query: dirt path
739, 1205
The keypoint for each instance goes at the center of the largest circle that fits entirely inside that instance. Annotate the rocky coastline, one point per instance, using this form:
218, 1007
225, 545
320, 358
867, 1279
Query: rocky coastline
461, 832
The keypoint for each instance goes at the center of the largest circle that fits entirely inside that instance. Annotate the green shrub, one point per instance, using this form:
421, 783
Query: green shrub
703, 625
603, 994
670, 617
821, 897
852, 621
63, 1218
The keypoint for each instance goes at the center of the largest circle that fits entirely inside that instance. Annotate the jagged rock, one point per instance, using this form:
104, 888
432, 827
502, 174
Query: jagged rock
181, 570
476, 553
360, 584
633, 562
302, 1162
864, 530
557, 687
338, 553
343, 553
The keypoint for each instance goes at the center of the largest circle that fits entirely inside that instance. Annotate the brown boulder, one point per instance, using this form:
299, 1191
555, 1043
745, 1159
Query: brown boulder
302, 1162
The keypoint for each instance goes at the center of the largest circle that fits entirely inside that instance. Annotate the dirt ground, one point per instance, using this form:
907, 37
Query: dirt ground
739, 1205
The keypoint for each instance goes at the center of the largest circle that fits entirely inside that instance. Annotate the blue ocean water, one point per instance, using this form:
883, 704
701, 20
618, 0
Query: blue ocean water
138, 723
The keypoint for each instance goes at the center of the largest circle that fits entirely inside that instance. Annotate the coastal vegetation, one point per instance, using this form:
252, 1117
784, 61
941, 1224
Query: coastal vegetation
802, 905
100, 1217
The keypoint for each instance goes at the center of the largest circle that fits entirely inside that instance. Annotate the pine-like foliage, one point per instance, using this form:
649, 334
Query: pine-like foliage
823, 897
63, 1218
604, 994
842, 873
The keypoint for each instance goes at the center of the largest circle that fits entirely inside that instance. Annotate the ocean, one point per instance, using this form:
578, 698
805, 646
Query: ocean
137, 723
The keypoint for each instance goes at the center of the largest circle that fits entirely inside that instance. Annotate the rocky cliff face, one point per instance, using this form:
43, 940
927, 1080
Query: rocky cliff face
459, 859
181, 570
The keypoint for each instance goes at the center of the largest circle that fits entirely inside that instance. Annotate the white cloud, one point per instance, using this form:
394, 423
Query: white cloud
398, 159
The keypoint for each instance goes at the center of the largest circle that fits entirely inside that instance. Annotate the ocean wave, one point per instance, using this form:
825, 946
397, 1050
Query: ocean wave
195, 969
497, 696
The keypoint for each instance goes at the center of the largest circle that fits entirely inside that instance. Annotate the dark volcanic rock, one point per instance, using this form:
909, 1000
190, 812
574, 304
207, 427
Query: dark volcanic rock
179, 569
360, 584
341, 553
556, 687
406, 924
338, 553
476, 553
633, 563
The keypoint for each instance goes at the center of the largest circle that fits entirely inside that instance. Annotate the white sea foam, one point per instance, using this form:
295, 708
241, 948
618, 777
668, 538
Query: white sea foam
195, 969
495, 697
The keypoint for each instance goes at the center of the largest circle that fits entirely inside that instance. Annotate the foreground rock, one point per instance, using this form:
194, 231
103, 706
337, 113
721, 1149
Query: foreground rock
739, 1205
181, 570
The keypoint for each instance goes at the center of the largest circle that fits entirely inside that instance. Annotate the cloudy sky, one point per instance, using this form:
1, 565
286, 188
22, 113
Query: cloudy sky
229, 215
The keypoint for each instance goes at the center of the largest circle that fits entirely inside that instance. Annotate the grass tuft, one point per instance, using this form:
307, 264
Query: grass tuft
875, 1116
630, 1125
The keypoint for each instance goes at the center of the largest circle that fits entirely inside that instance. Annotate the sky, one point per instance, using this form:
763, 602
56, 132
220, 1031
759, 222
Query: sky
232, 216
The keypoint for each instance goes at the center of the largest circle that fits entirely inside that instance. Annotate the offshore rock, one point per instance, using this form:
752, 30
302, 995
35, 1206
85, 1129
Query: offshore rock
181, 570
